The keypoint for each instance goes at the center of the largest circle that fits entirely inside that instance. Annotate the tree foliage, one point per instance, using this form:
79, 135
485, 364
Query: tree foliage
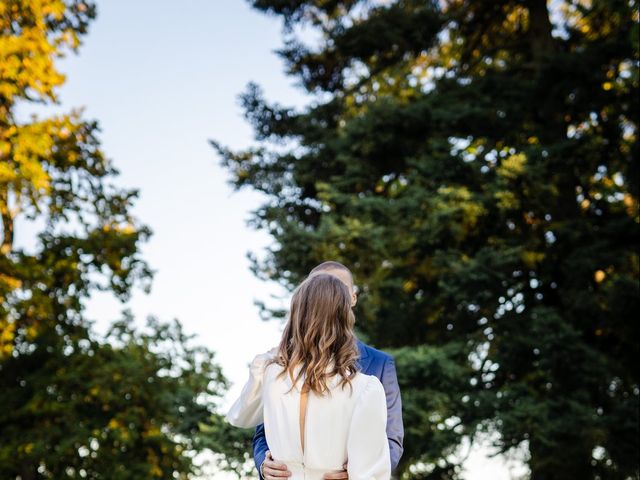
128, 406
476, 164
136, 403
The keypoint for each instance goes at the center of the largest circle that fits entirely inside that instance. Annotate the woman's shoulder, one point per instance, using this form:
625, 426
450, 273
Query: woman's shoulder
262, 361
371, 401
368, 384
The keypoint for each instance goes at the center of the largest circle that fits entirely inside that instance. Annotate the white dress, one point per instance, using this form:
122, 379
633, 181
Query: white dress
339, 428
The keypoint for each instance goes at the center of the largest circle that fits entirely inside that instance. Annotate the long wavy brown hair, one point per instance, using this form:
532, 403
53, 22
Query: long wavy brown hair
319, 334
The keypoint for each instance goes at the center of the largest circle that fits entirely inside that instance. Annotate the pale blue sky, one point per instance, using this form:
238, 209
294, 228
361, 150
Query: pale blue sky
162, 78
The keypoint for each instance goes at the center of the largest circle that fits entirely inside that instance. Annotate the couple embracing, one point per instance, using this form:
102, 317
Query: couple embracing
326, 406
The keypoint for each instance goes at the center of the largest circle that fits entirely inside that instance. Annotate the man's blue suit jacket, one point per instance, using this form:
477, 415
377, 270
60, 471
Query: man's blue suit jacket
372, 362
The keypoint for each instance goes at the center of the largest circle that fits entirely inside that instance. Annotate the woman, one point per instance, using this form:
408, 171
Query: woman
318, 411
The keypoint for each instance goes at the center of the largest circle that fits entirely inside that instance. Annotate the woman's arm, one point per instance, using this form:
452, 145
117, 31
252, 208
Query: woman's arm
367, 443
246, 411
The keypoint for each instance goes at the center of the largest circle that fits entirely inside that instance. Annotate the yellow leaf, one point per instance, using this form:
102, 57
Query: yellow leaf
512, 166
532, 258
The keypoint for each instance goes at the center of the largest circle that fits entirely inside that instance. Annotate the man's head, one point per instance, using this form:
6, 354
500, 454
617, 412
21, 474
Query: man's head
339, 271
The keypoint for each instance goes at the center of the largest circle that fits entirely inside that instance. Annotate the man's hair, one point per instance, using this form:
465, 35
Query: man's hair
330, 265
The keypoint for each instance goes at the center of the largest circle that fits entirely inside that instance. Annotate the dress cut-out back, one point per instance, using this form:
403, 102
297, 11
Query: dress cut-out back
304, 397
317, 434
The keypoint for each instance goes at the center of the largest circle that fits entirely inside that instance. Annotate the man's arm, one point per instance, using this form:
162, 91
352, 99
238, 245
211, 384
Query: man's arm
260, 447
395, 428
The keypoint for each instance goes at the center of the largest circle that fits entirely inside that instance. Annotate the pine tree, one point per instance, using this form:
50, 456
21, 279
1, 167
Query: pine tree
476, 165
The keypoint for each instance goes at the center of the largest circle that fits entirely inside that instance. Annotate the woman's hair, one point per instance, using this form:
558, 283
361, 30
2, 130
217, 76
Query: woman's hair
319, 334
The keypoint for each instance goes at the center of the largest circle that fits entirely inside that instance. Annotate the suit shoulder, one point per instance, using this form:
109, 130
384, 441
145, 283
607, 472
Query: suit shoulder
378, 354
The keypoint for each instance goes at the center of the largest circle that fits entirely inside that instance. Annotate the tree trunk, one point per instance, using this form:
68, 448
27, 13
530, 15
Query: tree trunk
7, 222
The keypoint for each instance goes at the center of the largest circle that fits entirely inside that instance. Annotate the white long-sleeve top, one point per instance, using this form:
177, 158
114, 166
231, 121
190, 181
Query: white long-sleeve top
342, 427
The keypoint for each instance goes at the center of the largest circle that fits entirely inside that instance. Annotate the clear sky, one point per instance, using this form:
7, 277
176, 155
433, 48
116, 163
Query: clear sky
162, 78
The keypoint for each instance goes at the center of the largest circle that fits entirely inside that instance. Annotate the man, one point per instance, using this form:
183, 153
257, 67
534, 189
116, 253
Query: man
372, 362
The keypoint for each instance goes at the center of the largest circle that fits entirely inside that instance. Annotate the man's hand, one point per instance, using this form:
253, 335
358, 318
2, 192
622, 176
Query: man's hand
272, 470
343, 475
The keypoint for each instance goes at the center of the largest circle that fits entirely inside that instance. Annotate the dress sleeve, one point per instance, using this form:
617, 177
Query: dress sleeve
246, 411
367, 443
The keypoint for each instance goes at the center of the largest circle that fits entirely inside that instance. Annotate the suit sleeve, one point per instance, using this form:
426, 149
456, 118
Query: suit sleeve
395, 428
367, 445
260, 447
